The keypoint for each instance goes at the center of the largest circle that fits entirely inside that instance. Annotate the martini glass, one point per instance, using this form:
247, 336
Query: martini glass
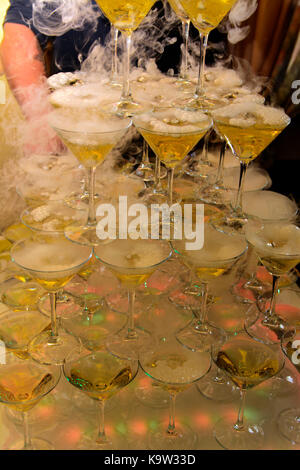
132, 262
52, 261
54, 217
90, 139
248, 129
248, 363
172, 133
23, 384
100, 376
174, 368
217, 256
205, 16
289, 419
126, 17
278, 247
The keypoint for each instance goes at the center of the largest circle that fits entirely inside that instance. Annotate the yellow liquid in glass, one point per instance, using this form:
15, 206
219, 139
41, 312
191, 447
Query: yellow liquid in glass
249, 142
176, 6
125, 16
248, 362
207, 14
100, 375
89, 155
22, 385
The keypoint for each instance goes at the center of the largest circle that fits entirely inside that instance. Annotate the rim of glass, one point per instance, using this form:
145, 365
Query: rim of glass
15, 245
178, 384
69, 131
206, 128
221, 120
269, 250
217, 261
57, 376
134, 269
43, 230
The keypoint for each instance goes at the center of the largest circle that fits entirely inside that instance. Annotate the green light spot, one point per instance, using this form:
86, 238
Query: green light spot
121, 428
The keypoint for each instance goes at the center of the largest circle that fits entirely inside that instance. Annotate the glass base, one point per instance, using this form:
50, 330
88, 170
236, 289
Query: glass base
89, 444
264, 330
36, 444
46, 351
79, 201
183, 438
22, 295
289, 424
250, 438
199, 103
66, 308
84, 235
146, 172
230, 224
200, 170
126, 107
214, 195
197, 338
129, 348
216, 388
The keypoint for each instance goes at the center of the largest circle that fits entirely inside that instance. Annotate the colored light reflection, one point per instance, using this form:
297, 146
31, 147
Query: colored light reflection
202, 420
140, 427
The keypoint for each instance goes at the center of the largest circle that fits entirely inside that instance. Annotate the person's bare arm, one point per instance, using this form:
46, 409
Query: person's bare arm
23, 65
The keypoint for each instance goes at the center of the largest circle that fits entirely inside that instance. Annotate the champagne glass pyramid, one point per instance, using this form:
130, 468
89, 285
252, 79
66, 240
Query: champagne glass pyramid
205, 16
23, 383
90, 139
248, 129
248, 363
126, 17
172, 133
132, 262
278, 247
218, 254
100, 376
52, 261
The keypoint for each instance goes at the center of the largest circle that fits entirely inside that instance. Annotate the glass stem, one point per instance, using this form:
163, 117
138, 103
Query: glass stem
238, 204
201, 71
27, 437
275, 284
145, 158
239, 425
101, 438
185, 33
202, 312
219, 181
114, 63
171, 427
131, 333
126, 93
170, 185
204, 156
54, 329
92, 214
158, 185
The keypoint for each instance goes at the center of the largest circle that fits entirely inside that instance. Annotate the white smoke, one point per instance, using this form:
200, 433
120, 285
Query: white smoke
56, 17
241, 11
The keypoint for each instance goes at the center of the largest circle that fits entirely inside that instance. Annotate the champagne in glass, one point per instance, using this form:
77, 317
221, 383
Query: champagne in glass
132, 262
172, 133
100, 376
126, 17
90, 139
248, 129
52, 261
277, 246
23, 383
248, 363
